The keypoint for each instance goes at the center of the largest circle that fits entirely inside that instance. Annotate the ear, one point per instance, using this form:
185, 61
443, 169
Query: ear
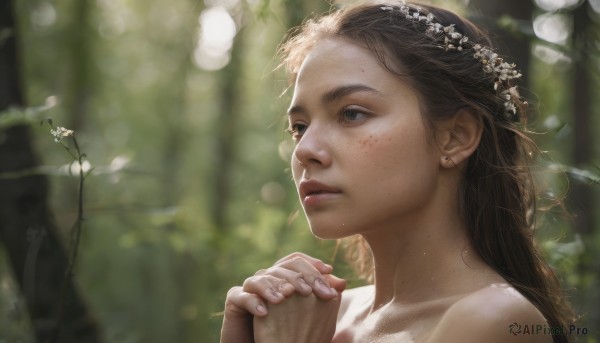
458, 137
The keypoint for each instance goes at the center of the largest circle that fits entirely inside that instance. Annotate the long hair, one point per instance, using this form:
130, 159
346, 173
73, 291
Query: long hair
497, 194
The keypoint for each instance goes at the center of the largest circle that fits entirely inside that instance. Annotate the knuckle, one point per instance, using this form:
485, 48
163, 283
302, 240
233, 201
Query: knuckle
230, 304
261, 272
233, 298
296, 254
282, 282
295, 276
297, 259
272, 270
233, 291
291, 257
251, 281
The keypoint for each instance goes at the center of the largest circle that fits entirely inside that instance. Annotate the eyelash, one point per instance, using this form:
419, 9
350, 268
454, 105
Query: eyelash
347, 110
294, 131
297, 132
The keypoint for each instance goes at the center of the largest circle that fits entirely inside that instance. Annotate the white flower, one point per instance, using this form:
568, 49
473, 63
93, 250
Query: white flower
455, 35
510, 107
501, 71
60, 132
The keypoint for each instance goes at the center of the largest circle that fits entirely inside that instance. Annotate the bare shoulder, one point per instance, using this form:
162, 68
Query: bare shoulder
496, 313
351, 298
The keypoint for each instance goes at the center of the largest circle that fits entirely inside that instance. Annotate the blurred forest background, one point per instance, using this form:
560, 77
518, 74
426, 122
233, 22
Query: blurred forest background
187, 189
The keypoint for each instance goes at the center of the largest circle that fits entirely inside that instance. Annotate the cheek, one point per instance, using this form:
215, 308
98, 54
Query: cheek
391, 147
369, 142
376, 151
296, 171
396, 158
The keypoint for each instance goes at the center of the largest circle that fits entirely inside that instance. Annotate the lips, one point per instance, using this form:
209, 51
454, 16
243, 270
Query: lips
313, 192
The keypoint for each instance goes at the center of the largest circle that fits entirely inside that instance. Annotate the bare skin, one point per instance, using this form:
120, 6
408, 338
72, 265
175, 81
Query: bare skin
481, 316
365, 164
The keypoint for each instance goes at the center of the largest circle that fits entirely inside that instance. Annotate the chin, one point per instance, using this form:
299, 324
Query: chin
329, 230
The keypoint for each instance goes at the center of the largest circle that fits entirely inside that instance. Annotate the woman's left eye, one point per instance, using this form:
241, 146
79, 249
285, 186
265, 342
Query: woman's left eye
352, 115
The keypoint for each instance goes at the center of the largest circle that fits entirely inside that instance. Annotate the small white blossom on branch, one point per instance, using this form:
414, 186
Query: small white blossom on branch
60, 132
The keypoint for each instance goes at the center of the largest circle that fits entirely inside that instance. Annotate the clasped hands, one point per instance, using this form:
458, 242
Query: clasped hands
295, 300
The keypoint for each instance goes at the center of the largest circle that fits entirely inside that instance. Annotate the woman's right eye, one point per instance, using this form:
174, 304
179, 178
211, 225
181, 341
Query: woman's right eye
297, 130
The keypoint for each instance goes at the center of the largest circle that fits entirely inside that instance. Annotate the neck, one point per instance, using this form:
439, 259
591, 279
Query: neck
425, 257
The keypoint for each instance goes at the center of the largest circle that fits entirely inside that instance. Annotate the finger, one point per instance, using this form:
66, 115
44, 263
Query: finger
239, 303
269, 287
323, 291
335, 282
293, 277
322, 267
310, 274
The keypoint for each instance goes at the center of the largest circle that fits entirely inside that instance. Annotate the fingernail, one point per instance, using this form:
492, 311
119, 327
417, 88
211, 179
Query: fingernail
260, 308
322, 287
328, 266
304, 285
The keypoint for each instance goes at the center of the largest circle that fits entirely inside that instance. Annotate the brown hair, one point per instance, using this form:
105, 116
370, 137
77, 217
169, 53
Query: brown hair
497, 195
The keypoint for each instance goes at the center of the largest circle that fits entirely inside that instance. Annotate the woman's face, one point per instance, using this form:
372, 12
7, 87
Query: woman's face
362, 159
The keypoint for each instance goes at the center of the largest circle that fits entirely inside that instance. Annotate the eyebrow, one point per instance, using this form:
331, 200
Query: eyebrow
336, 94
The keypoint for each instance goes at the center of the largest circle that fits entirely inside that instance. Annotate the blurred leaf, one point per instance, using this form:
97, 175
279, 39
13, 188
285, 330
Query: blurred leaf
27, 115
263, 10
580, 174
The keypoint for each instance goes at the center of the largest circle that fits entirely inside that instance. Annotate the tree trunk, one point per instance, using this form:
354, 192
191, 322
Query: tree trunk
27, 229
581, 195
231, 93
175, 108
580, 199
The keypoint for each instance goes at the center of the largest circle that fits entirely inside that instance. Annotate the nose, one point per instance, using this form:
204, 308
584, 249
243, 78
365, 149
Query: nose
313, 149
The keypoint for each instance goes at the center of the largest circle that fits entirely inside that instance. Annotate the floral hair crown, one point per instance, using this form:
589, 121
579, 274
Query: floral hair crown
453, 40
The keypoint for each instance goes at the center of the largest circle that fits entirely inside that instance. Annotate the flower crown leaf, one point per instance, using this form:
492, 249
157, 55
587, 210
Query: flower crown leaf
454, 40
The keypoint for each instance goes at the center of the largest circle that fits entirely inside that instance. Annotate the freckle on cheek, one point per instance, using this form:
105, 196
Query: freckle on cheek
369, 142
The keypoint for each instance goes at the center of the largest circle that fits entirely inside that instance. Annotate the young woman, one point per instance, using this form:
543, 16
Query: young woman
408, 133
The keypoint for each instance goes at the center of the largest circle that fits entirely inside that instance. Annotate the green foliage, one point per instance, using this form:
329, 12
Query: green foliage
25, 116
153, 266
